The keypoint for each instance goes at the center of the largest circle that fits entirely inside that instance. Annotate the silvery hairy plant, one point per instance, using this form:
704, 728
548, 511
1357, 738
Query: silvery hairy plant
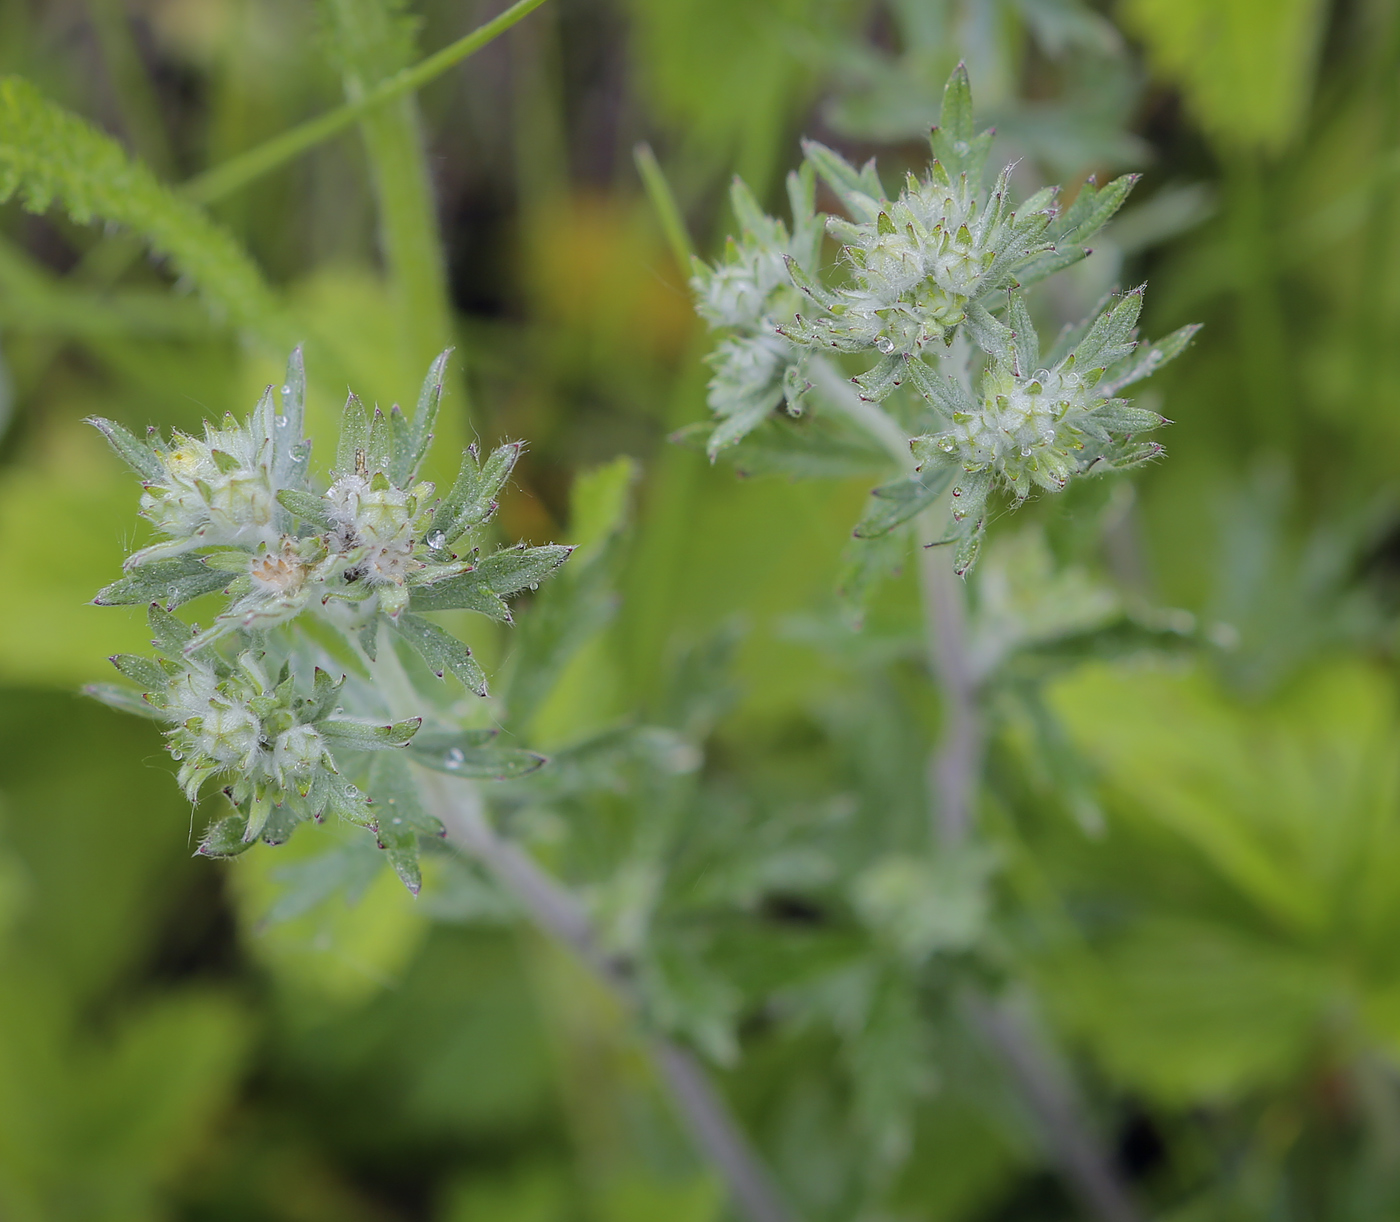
927, 293
914, 352
302, 695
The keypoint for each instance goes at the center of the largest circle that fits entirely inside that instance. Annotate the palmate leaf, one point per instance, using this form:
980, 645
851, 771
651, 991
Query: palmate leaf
49, 156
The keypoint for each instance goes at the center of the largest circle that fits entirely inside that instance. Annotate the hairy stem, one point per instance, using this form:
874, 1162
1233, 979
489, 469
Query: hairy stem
954, 774
555, 910
956, 762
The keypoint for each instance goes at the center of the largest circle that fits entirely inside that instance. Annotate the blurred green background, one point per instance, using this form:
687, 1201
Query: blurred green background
1219, 953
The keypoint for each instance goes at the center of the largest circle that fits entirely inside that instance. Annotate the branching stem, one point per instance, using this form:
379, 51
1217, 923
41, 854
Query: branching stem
556, 911
955, 769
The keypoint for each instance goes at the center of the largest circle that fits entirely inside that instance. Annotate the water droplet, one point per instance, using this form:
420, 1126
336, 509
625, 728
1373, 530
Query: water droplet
437, 540
455, 758
884, 343
286, 390
350, 791
177, 755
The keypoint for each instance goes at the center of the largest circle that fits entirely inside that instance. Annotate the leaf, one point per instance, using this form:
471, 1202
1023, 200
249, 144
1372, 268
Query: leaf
49, 155
360, 735
992, 335
1147, 359
171, 634
463, 593
464, 754
901, 499
399, 817
123, 699
170, 582
1092, 209
1024, 337
224, 838
511, 570
481, 589
955, 142
441, 650
938, 388
420, 429
135, 453
471, 501
1111, 336
142, 671
293, 395
866, 564
354, 435
1119, 416
307, 506
814, 448
342, 799
859, 191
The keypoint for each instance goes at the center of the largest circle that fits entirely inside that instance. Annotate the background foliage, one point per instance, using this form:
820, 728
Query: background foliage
1199, 898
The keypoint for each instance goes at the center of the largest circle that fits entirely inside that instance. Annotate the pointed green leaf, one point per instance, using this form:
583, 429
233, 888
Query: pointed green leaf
307, 506
123, 699
425, 416
225, 838
901, 499
135, 453
464, 754
362, 735
354, 435
170, 582
441, 651
141, 670
471, 501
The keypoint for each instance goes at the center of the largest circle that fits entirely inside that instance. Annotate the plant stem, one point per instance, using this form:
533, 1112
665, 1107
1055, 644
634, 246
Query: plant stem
1052, 1098
954, 773
956, 762
239, 171
555, 910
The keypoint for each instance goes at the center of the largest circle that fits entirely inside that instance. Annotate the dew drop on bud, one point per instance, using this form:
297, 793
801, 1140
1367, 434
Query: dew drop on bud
437, 540
455, 758
884, 343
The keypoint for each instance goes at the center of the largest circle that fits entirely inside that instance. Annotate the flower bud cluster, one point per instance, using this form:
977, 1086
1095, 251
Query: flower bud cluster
270, 742
916, 262
364, 554
928, 284
215, 490
748, 294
